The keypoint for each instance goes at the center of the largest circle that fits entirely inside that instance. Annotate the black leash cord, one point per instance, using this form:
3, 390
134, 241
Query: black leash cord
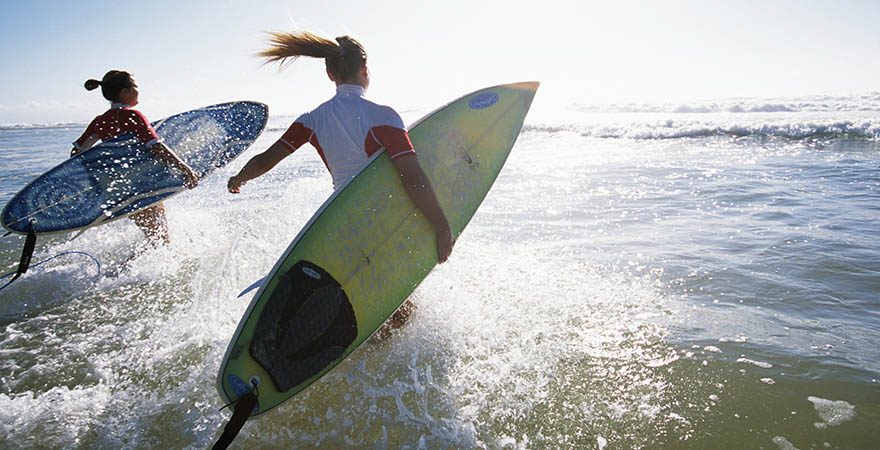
244, 406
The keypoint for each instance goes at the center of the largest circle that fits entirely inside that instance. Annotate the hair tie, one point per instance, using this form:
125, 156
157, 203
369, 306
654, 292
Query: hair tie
341, 41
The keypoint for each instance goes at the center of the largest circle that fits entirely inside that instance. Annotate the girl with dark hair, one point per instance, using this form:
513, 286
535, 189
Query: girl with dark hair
121, 90
346, 130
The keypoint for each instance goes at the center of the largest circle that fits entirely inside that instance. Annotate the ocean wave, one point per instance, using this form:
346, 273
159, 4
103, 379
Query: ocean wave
672, 129
733, 108
819, 103
42, 126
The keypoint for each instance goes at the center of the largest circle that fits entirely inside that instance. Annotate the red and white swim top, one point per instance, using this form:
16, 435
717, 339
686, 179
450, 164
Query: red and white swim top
346, 130
119, 119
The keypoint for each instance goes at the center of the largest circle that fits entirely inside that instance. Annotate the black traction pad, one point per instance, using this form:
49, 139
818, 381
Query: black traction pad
307, 323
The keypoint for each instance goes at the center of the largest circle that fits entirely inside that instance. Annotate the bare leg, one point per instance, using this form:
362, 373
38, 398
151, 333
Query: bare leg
153, 223
395, 321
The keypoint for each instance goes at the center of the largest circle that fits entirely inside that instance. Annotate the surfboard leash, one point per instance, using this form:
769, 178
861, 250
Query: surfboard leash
244, 406
19, 272
30, 242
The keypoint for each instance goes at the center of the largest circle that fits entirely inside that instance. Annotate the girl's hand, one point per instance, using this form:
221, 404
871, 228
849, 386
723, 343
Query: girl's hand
445, 242
192, 178
234, 185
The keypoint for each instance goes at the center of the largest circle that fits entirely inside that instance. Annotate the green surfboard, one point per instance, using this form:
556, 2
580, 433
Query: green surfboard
366, 249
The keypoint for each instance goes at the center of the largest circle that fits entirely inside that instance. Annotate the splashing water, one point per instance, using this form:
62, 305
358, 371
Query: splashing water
610, 293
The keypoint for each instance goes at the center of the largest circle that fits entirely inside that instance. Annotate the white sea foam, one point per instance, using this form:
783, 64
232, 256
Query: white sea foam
70, 410
783, 443
832, 412
761, 364
818, 103
795, 127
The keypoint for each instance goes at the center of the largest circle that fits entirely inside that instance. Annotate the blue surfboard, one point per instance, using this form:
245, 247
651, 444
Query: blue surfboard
121, 176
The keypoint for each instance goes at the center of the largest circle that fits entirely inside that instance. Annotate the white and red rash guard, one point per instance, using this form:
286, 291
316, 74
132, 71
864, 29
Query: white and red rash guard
346, 130
119, 119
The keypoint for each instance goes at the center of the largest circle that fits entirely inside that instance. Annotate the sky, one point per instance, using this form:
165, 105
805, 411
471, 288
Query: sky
191, 53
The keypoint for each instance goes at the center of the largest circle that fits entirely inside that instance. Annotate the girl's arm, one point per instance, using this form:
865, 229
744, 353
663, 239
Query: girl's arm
86, 141
166, 155
419, 188
257, 166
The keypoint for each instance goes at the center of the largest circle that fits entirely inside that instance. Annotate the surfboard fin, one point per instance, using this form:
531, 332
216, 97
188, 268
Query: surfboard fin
253, 286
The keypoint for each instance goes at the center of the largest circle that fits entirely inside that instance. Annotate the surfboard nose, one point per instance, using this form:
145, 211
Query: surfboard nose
527, 89
526, 85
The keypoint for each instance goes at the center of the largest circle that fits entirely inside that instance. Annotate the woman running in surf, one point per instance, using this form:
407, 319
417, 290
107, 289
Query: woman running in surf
347, 129
121, 90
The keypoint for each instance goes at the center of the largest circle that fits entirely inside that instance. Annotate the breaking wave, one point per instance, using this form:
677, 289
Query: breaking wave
868, 102
683, 129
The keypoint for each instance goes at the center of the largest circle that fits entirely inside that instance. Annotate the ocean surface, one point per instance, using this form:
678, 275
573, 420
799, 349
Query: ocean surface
658, 276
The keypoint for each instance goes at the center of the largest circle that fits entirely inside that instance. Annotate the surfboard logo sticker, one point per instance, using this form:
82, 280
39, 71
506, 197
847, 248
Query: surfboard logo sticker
483, 101
311, 273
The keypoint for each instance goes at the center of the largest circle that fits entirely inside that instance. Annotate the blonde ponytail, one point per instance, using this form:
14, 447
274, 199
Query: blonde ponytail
287, 47
343, 58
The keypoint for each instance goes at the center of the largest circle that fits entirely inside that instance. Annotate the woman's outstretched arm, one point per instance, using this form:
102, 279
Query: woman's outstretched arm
257, 166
